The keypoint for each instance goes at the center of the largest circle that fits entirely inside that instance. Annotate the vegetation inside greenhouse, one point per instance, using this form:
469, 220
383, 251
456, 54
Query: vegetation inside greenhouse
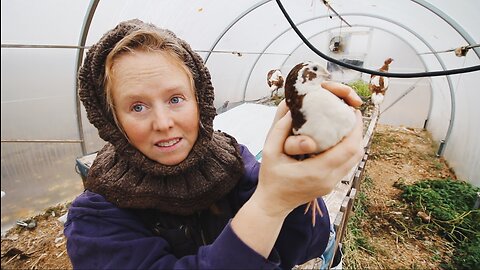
403, 177
411, 211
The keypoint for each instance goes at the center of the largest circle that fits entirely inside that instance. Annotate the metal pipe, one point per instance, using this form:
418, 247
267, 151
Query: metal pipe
43, 46
252, 8
39, 141
440, 61
81, 44
450, 22
325, 30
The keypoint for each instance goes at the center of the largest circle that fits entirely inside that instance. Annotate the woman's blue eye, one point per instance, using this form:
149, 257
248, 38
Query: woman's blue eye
137, 107
175, 100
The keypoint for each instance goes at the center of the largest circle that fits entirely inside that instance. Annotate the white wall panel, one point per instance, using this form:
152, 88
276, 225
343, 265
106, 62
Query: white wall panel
42, 22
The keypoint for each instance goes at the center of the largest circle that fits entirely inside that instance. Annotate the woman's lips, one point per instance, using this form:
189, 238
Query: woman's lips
168, 143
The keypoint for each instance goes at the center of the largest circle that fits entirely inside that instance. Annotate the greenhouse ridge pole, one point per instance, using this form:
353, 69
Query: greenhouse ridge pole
81, 43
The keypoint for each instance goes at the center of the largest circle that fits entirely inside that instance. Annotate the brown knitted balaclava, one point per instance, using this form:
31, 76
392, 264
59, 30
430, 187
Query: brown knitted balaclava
126, 177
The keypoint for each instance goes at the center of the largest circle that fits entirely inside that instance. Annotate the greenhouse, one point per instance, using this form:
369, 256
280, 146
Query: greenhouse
424, 53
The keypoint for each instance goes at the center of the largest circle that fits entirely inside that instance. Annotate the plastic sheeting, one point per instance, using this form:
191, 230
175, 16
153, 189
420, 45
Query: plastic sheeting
43, 131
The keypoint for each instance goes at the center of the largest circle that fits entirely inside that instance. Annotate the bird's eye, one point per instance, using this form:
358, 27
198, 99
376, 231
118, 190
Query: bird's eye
315, 68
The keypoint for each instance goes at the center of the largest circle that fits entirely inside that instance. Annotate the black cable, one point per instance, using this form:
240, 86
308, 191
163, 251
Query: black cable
373, 72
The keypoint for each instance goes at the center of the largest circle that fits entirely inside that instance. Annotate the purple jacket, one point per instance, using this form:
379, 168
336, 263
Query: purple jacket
103, 236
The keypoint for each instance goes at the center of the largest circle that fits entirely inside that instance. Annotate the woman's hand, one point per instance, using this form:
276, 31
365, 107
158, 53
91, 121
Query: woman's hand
286, 182
298, 145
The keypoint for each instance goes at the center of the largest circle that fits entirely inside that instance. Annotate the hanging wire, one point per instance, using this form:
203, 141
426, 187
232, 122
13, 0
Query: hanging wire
43, 46
240, 53
461, 49
341, 26
369, 71
461, 75
47, 46
327, 4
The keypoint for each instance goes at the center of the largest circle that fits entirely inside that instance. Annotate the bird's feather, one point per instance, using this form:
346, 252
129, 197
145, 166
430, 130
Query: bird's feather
316, 112
275, 80
378, 85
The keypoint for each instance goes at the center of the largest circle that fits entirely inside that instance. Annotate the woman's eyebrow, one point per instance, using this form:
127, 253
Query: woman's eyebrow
132, 97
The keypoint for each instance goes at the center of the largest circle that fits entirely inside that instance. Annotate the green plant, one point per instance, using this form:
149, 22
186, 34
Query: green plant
450, 205
367, 183
355, 242
466, 255
438, 165
361, 87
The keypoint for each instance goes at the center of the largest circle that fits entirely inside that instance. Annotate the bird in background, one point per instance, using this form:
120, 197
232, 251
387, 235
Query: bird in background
275, 81
378, 85
316, 112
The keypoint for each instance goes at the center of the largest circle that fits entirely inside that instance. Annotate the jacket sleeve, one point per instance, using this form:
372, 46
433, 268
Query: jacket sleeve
102, 236
298, 241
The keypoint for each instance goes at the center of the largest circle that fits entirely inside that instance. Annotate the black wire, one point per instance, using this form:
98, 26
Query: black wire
373, 72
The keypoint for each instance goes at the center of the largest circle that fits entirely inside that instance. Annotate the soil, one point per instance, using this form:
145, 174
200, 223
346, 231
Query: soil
41, 247
397, 154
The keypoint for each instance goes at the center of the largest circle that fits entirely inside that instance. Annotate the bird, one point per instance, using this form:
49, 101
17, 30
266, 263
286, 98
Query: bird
378, 85
316, 112
275, 81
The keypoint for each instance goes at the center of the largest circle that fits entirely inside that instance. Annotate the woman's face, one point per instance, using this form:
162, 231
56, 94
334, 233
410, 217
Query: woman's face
155, 105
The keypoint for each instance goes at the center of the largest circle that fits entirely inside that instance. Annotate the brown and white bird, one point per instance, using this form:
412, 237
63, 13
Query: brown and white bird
275, 81
378, 85
316, 112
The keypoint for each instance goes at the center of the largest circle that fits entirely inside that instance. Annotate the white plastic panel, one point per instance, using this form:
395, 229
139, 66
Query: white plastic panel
52, 22
198, 22
38, 94
38, 85
463, 147
258, 117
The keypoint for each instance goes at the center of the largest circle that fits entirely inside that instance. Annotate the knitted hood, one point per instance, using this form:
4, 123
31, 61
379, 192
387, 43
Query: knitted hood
128, 178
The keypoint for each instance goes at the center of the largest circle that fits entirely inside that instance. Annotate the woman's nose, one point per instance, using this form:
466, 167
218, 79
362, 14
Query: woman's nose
163, 119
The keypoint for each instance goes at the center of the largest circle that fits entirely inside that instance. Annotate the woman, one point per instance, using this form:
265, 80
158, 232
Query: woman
167, 191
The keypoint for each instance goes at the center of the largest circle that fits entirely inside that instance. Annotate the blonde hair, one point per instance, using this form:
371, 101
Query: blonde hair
146, 40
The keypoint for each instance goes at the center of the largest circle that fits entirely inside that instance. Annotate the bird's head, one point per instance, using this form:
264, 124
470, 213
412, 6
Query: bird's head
273, 74
308, 76
386, 63
313, 72
275, 78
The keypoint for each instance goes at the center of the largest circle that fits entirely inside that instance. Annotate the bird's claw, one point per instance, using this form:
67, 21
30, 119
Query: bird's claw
315, 209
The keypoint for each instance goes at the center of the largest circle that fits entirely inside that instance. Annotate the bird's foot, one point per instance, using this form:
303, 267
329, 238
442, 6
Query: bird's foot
315, 209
